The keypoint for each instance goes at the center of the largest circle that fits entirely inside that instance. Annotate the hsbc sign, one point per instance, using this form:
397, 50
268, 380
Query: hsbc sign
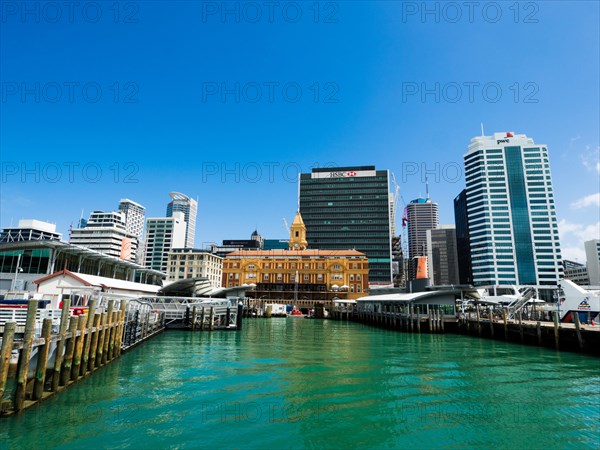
341, 174
344, 174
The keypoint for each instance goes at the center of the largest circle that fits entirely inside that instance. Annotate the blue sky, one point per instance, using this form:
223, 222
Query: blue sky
100, 103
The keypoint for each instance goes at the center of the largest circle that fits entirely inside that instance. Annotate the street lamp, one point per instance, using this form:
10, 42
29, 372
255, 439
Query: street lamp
17, 270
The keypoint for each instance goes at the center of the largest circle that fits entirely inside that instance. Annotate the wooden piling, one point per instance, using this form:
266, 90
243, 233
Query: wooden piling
478, 320
441, 330
538, 329
32, 306
111, 336
521, 324
78, 347
68, 360
101, 339
491, 323
430, 320
202, 319
505, 324
121, 327
109, 322
94, 342
194, 318
575, 316
42, 362
7, 344
212, 318
555, 315
238, 317
88, 337
418, 322
60, 345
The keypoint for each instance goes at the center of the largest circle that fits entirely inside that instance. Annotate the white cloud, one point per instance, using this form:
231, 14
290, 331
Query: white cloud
590, 158
573, 253
588, 200
572, 237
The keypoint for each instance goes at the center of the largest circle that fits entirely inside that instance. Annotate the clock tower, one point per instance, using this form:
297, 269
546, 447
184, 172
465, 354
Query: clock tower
298, 234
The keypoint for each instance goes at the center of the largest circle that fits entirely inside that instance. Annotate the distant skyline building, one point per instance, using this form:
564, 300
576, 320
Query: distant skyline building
255, 236
347, 208
512, 219
276, 244
442, 256
163, 234
30, 230
576, 272
134, 217
592, 254
106, 232
189, 207
184, 263
463, 241
422, 215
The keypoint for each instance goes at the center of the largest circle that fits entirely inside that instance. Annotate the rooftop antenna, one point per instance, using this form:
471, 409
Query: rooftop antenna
482, 133
427, 187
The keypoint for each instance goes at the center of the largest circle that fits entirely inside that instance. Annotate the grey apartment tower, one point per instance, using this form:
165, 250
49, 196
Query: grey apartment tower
349, 208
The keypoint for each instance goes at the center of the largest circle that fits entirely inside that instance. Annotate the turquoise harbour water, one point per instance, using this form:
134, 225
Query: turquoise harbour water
296, 383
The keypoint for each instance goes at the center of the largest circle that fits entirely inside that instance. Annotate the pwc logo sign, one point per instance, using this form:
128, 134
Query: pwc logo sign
506, 140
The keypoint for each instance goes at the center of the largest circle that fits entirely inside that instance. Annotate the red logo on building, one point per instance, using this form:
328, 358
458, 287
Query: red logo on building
351, 174
508, 134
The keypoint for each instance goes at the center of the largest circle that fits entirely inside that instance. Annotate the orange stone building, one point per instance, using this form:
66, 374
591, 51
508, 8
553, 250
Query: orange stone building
298, 273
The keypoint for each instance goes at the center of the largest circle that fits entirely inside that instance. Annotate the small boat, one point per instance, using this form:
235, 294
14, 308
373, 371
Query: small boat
296, 313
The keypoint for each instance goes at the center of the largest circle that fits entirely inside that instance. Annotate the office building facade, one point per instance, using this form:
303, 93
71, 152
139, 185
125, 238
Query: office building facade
463, 242
442, 256
185, 263
576, 272
189, 207
106, 232
349, 208
163, 234
134, 217
421, 215
511, 215
592, 254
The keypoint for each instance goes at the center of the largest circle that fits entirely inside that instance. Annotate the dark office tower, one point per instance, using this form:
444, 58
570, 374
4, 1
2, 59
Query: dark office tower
463, 242
422, 215
441, 255
349, 208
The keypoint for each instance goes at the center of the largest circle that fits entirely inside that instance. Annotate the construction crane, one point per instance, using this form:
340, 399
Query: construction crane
401, 281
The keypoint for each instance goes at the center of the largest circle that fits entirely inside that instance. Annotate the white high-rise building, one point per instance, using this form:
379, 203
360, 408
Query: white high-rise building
422, 215
106, 232
189, 207
511, 214
163, 234
134, 217
592, 254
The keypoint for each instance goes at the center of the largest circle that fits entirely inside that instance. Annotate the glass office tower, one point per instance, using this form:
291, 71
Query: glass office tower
513, 229
349, 208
